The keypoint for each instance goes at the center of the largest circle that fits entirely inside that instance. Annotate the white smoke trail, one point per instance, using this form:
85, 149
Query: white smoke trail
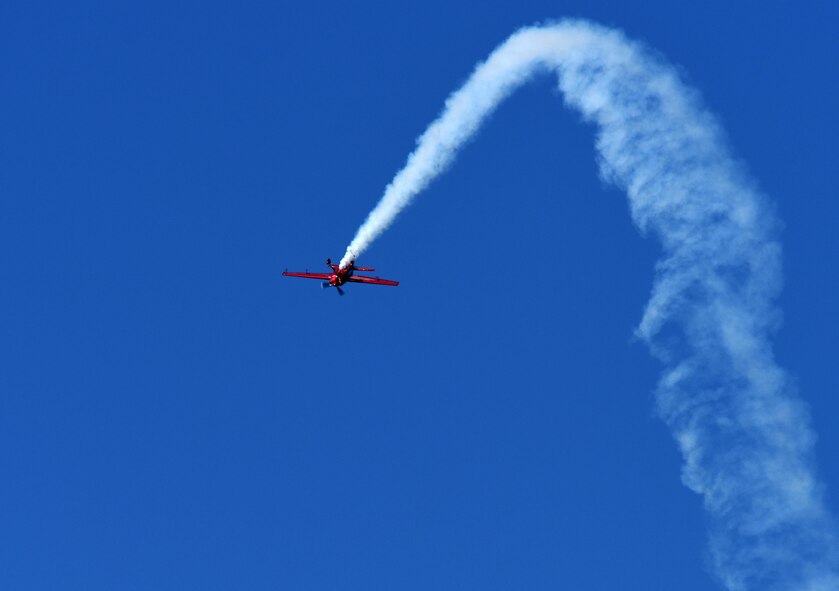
744, 434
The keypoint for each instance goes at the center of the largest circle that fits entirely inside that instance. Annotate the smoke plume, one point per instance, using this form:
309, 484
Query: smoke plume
743, 433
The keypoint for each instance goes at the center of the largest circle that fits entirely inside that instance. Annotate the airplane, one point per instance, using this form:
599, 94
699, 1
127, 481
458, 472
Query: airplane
340, 276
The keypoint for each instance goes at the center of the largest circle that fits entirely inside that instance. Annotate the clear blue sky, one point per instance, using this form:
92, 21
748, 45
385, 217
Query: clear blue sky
175, 415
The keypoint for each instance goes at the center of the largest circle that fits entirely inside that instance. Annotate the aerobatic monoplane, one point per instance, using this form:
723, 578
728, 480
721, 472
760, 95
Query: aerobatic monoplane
339, 276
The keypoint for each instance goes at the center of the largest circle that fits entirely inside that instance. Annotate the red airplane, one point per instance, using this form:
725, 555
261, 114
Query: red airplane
340, 276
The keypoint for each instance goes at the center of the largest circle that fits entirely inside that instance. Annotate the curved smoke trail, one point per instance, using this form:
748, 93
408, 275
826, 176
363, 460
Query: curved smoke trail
744, 434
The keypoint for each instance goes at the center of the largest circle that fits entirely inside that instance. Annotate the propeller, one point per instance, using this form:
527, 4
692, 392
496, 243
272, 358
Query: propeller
326, 284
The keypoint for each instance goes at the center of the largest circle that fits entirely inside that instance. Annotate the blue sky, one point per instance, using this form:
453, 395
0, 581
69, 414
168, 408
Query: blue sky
176, 415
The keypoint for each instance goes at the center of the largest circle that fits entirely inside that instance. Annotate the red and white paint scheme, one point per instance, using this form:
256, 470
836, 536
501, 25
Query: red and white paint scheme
340, 276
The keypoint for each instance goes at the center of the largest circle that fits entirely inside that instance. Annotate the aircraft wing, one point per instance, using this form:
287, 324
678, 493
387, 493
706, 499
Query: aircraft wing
321, 276
371, 280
